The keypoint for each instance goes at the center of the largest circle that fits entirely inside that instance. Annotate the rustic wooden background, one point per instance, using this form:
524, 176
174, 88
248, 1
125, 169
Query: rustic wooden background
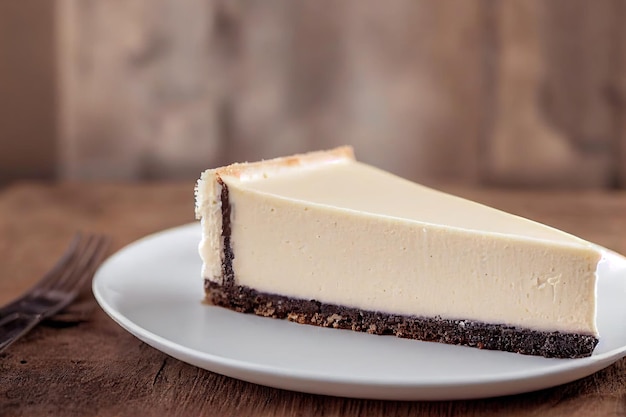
515, 92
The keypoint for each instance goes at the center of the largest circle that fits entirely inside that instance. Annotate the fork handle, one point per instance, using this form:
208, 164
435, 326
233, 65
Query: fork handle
8, 310
16, 325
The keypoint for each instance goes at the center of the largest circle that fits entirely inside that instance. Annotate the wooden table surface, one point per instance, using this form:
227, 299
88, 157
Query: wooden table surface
89, 366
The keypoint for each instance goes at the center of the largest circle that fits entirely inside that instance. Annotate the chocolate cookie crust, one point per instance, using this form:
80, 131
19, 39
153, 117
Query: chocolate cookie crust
433, 329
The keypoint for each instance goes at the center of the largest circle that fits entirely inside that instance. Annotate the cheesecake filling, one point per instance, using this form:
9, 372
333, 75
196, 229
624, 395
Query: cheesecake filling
300, 234
383, 264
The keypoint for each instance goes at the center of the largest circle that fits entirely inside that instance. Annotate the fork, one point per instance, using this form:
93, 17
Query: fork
56, 290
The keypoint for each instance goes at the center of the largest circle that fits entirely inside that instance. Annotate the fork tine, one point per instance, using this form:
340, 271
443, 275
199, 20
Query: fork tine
52, 275
49, 277
57, 281
94, 252
69, 275
84, 265
56, 290
90, 255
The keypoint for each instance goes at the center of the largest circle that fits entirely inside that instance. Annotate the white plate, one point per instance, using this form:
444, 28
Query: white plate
153, 289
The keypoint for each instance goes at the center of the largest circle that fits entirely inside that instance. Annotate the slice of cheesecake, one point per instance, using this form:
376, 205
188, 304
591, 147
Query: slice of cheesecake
322, 239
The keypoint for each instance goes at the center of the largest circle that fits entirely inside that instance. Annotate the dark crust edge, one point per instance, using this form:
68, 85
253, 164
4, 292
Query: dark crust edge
432, 329
228, 274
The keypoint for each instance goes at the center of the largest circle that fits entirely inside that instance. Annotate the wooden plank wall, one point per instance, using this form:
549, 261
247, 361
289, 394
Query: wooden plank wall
522, 92
556, 77
27, 90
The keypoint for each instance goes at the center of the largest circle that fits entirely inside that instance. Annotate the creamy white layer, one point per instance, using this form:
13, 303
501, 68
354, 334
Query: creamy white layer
332, 229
